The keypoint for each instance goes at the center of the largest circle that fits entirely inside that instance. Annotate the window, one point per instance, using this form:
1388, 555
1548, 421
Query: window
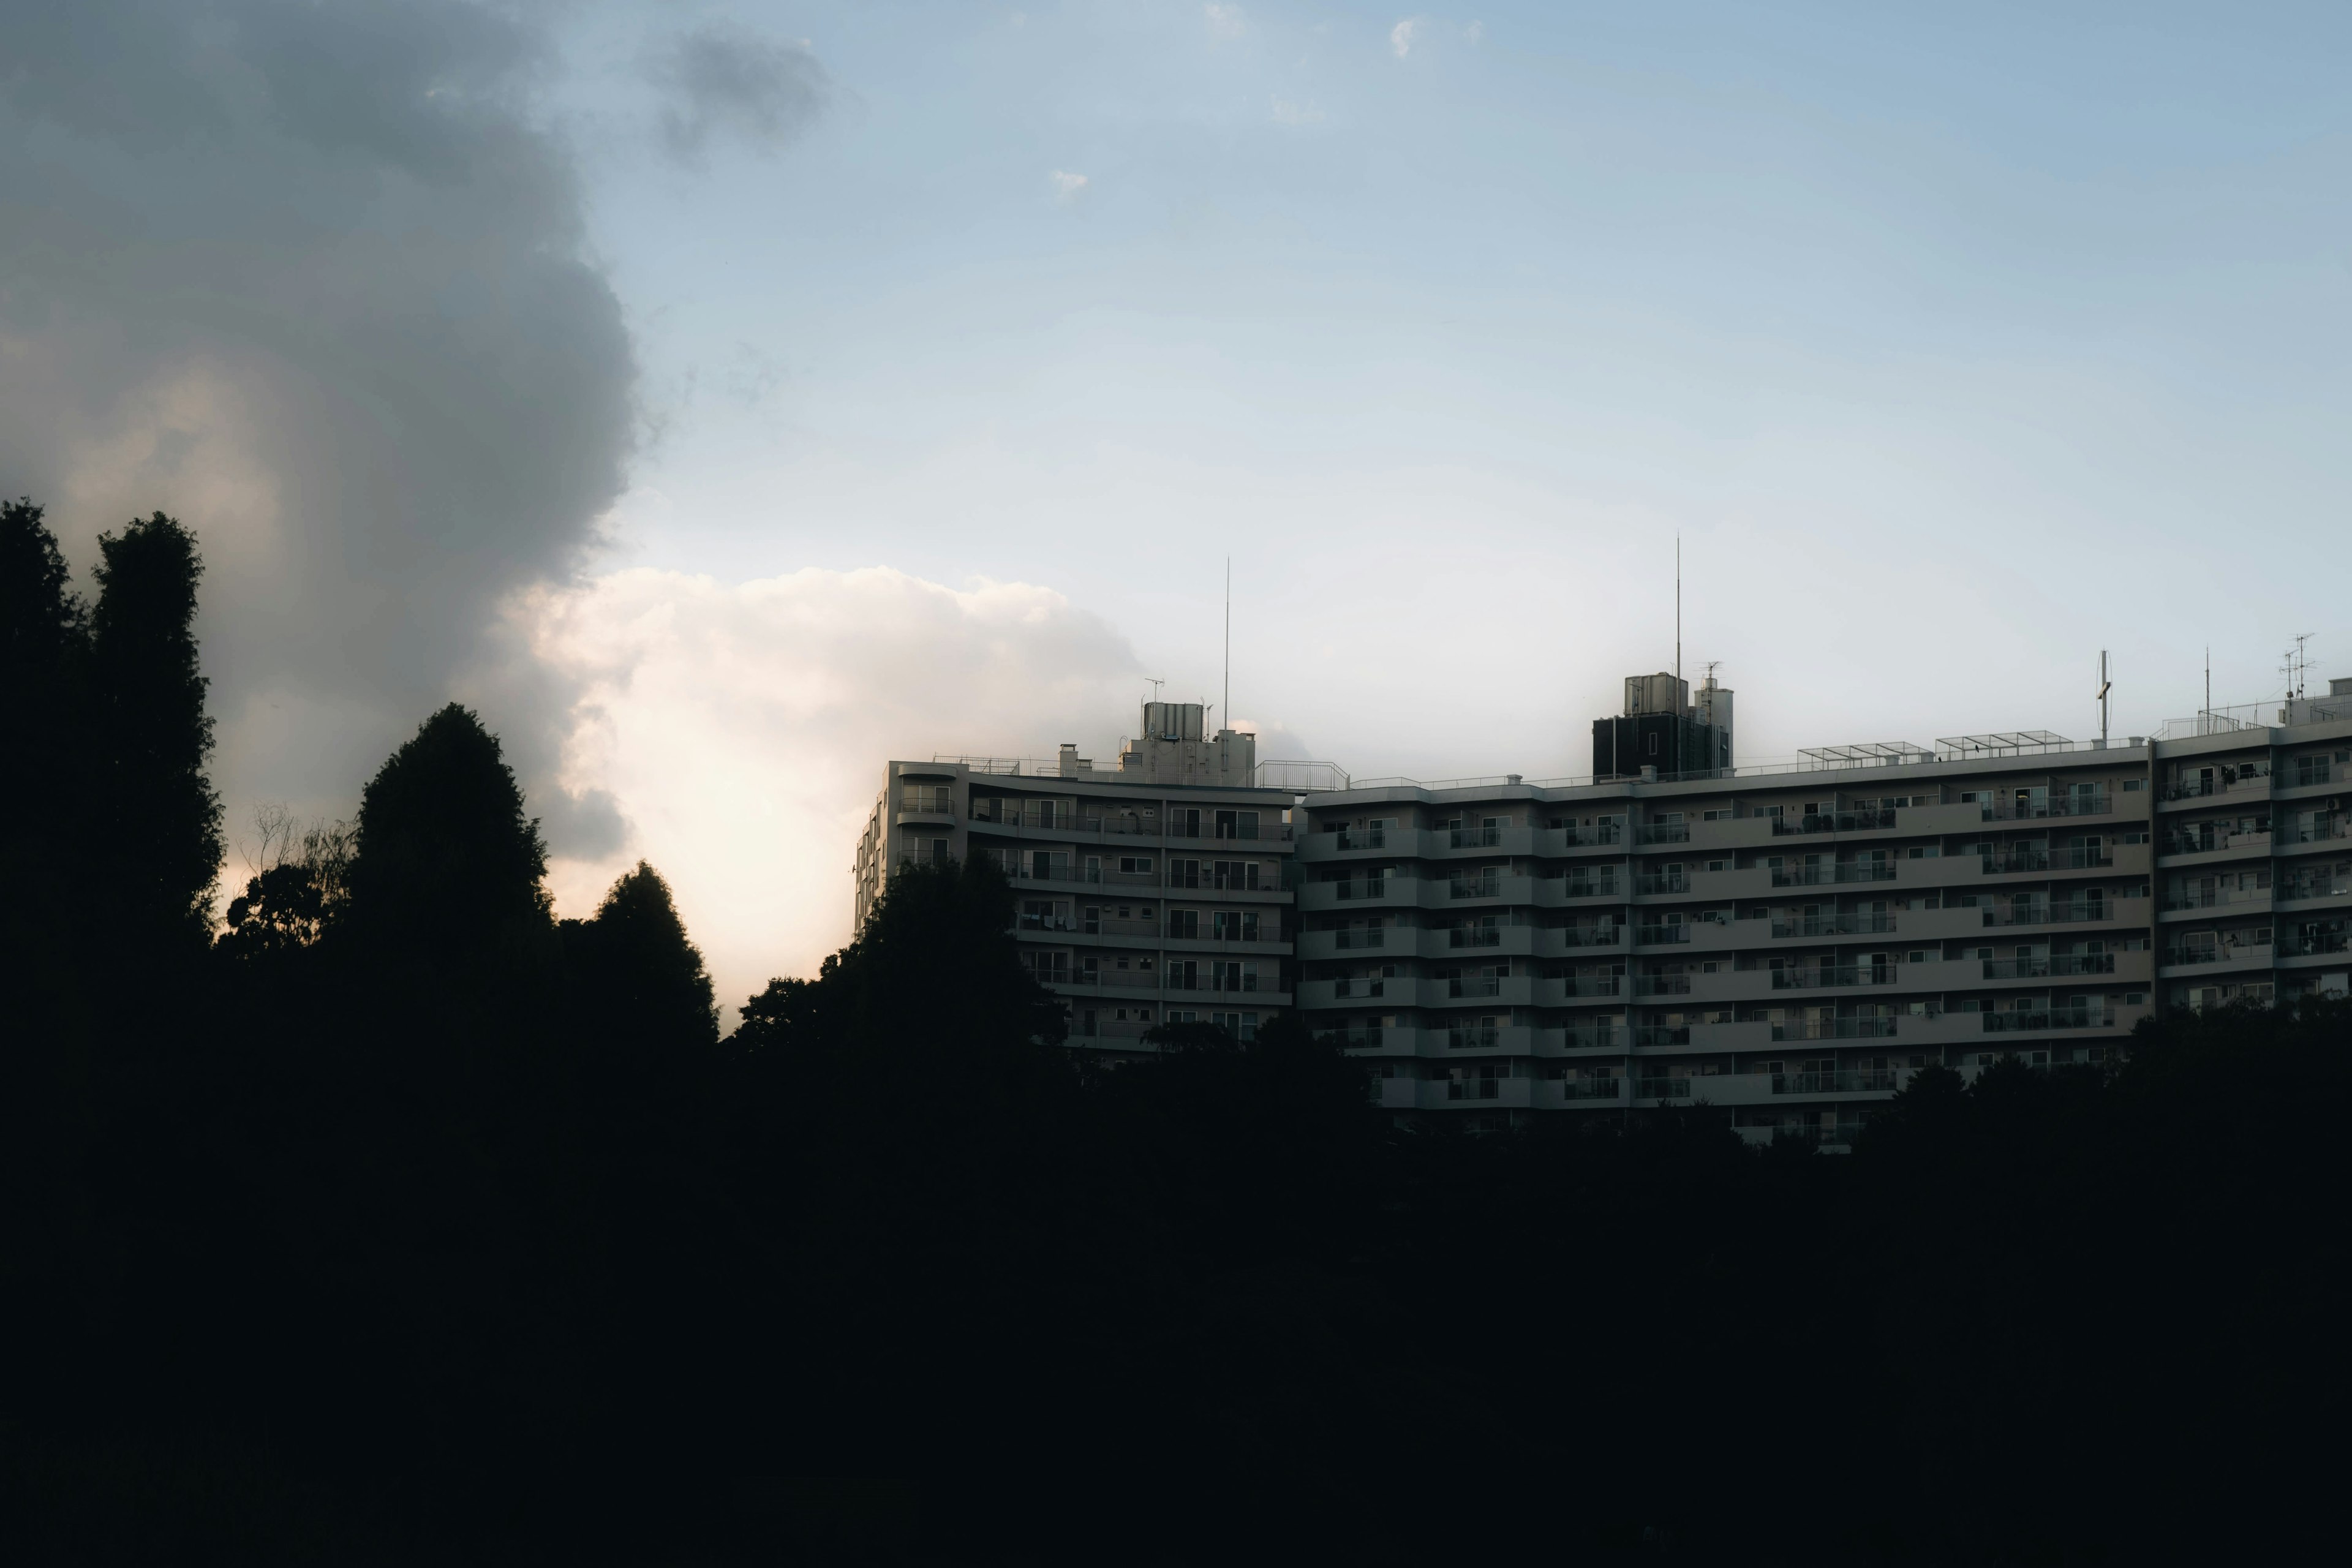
1184, 925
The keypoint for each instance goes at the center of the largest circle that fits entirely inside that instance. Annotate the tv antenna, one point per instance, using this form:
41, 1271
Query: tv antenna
1678, 612
1156, 682
2302, 664
1226, 705
2105, 686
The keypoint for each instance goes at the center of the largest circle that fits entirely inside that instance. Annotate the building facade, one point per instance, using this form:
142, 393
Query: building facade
1156, 892
1789, 945
1786, 944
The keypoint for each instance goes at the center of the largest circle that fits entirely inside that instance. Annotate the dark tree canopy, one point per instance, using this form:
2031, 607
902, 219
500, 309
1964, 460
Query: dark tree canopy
446, 856
151, 738
638, 975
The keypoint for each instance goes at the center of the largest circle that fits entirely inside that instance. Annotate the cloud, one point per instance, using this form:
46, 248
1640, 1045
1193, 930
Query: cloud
743, 728
1225, 21
1476, 32
1066, 186
312, 278
721, 78
1404, 35
1286, 113
309, 280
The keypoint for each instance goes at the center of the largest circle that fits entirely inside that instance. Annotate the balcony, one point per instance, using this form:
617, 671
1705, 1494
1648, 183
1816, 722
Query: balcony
1873, 924
2217, 899
1833, 1082
1833, 822
1663, 833
2317, 946
1662, 985
1661, 936
2251, 843
1475, 888
1108, 1029
1828, 876
1130, 927
1588, 887
1835, 1029
2037, 914
1660, 882
1358, 1039
1551, 991
1586, 936
2036, 1020
2016, 861
2206, 789
2059, 965
1360, 839
1574, 838
1857, 974
1592, 1088
1662, 1089
1650, 1035
1598, 1037
1473, 1037
1474, 936
2013, 810
1458, 986
1482, 838
2219, 953
1360, 937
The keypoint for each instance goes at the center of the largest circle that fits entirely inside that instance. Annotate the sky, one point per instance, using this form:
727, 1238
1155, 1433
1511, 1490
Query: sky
724, 399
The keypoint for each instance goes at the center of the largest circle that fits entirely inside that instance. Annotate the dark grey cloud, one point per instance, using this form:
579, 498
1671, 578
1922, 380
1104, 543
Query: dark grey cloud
720, 79
308, 274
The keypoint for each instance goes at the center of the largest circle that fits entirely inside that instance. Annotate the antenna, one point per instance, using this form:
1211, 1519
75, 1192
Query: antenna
1678, 612
1227, 705
2208, 728
1156, 682
2302, 663
2104, 685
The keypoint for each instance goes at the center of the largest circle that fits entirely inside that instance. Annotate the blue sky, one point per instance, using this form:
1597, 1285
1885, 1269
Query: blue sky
1958, 345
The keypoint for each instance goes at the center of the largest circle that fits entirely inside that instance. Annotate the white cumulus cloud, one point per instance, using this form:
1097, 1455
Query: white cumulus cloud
1225, 21
1404, 35
741, 729
1066, 186
1286, 113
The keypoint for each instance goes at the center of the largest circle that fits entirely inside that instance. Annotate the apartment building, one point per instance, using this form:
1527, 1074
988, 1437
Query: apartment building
1789, 944
1157, 891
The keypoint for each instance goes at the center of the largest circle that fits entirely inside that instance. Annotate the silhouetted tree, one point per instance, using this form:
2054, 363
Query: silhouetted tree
635, 975
447, 866
158, 823
45, 827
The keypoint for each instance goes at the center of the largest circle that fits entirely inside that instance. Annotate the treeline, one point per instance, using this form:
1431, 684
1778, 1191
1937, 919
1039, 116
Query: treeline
395, 1219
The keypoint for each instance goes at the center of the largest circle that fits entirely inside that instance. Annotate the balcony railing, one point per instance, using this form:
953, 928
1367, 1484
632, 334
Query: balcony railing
1590, 986
940, 805
1119, 927
1835, 1029
1661, 1034
1831, 1082
1473, 837
2314, 946
1663, 833
1483, 887
1133, 979
1358, 1039
1592, 1039
1472, 1038
1855, 974
1588, 886
1661, 935
2214, 842
1473, 985
2051, 1019
1473, 1089
1662, 1089
2063, 964
1662, 986
1591, 1088
2049, 914
2012, 810
1359, 888
2013, 861
2204, 789
1662, 882
2217, 900
1836, 925
1361, 936
1825, 876
1474, 936
1575, 837
2222, 953
1834, 822
1589, 936
1358, 838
